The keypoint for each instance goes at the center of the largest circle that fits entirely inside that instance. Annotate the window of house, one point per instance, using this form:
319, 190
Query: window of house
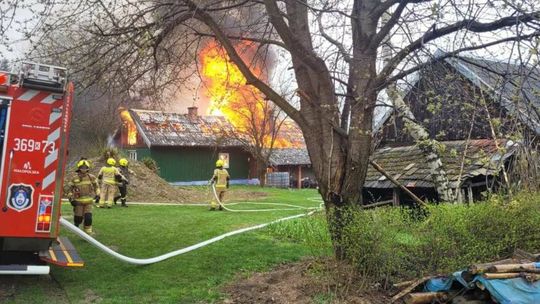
132, 154
225, 158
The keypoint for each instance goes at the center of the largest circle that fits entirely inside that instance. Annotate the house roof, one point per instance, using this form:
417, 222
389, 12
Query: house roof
408, 166
289, 156
517, 86
159, 128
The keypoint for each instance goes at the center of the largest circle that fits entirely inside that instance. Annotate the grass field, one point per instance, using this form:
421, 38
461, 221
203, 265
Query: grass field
147, 231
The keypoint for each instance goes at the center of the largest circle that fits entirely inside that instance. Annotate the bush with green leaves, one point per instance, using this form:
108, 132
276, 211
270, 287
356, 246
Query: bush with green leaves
151, 164
391, 244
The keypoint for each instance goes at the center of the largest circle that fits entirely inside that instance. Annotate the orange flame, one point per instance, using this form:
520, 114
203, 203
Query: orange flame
130, 125
242, 104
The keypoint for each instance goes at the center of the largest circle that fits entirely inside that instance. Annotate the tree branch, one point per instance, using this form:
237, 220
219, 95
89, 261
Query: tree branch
340, 46
470, 25
453, 53
205, 18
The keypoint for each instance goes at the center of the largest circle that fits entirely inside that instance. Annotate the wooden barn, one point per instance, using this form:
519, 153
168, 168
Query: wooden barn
185, 146
471, 166
461, 97
480, 110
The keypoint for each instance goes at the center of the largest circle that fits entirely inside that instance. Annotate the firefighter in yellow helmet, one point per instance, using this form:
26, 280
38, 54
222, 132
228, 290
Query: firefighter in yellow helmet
220, 179
83, 189
109, 175
122, 184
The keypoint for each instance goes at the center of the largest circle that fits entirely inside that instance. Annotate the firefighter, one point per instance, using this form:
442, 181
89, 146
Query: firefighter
122, 184
83, 189
220, 179
109, 175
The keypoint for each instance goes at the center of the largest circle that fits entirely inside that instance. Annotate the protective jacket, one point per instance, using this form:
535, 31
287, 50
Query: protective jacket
221, 178
110, 175
83, 188
126, 174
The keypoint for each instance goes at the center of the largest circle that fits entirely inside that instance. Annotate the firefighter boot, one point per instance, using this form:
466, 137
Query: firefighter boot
213, 205
123, 200
77, 220
88, 230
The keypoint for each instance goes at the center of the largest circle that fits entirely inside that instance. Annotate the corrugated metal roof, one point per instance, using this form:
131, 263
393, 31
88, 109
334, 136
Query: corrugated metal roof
408, 163
289, 156
174, 129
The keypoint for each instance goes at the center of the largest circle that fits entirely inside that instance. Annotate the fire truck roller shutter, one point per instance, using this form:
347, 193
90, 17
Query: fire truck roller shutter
3, 119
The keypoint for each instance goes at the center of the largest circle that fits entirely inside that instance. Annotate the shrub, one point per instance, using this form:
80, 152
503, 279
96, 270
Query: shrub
109, 152
387, 244
391, 244
151, 164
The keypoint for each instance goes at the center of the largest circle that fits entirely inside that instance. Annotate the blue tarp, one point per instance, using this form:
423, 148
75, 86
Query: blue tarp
505, 291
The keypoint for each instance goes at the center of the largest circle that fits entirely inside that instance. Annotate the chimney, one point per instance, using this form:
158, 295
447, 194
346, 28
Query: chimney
192, 113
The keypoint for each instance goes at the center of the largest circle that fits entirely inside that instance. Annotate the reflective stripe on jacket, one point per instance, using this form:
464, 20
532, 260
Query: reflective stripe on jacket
83, 188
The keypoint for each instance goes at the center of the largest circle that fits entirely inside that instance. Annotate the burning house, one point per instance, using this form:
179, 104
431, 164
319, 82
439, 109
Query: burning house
185, 146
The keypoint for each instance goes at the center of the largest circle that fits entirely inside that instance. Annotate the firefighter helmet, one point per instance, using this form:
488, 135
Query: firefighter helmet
123, 162
111, 162
83, 164
219, 163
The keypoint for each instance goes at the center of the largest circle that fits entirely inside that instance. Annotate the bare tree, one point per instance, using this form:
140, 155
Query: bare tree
333, 51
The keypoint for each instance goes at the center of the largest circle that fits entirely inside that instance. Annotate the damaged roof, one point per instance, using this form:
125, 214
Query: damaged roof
289, 156
159, 128
409, 167
517, 86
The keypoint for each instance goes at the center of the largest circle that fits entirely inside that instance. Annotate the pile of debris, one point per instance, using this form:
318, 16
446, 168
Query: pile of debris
513, 280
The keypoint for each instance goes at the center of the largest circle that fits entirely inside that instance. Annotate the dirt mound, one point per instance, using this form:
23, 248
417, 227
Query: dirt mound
304, 282
146, 186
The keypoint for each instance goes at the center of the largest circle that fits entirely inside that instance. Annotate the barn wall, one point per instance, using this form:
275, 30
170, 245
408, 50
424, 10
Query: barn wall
182, 164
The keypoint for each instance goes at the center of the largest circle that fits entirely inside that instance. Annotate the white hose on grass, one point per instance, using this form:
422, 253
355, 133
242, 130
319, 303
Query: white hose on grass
171, 254
293, 207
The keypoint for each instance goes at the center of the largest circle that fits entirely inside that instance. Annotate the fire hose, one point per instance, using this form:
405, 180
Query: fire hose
292, 207
171, 254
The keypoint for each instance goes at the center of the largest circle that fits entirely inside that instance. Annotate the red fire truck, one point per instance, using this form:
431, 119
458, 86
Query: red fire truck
35, 113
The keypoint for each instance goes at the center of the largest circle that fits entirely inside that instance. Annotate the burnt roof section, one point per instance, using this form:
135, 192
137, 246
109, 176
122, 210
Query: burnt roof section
516, 86
409, 167
180, 130
289, 156
289, 135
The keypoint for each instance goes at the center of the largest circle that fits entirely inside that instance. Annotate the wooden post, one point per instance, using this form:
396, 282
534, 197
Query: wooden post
425, 297
470, 195
395, 182
395, 197
299, 177
460, 195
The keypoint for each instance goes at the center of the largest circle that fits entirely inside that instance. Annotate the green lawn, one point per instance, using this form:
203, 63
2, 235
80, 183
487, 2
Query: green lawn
195, 277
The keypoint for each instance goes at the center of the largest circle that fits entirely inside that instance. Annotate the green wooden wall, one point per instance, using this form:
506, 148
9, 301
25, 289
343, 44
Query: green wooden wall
183, 164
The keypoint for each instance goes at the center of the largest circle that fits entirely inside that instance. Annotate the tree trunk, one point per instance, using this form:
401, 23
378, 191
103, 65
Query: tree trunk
261, 172
428, 146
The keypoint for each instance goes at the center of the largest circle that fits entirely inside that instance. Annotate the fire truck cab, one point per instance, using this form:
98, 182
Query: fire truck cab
35, 114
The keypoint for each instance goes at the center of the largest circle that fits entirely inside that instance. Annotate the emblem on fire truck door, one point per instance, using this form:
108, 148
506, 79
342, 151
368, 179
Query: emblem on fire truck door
20, 197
